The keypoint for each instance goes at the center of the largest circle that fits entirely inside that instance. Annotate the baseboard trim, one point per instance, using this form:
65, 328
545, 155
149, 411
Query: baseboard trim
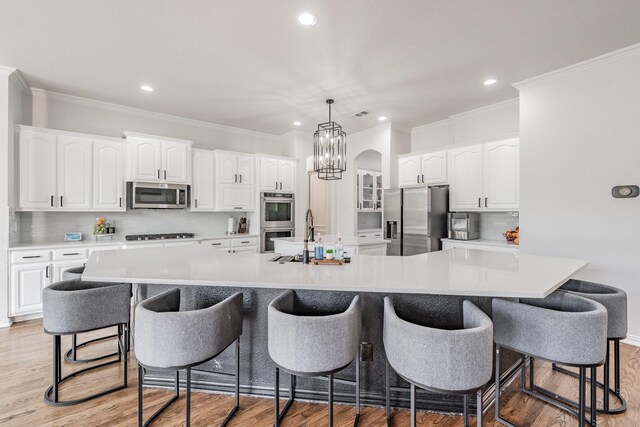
5, 323
27, 317
632, 340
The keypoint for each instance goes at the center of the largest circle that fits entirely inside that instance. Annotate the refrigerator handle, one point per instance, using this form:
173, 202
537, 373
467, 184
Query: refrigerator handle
391, 231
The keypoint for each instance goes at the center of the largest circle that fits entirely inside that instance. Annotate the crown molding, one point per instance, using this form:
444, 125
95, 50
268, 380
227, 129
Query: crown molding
514, 102
616, 55
15, 76
445, 122
87, 102
27, 128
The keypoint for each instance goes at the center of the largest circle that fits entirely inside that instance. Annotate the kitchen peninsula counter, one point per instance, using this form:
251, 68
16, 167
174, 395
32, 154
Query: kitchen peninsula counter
453, 272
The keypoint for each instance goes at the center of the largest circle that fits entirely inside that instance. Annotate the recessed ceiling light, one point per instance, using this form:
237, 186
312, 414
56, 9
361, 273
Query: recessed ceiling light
146, 88
297, 123
382, 118
307, 18
490, 82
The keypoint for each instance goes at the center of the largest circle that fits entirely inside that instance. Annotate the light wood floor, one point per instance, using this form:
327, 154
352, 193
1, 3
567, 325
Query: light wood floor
25, 372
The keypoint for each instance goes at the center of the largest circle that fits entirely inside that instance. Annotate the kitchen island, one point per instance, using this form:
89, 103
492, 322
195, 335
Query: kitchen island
428, 287
353, 245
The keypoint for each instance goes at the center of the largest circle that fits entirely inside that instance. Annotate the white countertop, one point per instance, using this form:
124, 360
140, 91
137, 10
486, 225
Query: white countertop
119, 240
330, 239
454, 272
487, 242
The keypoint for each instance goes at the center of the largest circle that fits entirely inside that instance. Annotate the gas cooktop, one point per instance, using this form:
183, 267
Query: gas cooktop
159, 236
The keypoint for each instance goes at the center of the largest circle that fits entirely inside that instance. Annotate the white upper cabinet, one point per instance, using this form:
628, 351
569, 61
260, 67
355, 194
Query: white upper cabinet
108, 176
67, 171
465, 179
422, 169
277, 174
409, 171
203, 183
485, 177
38, 179
269, 174
75, 165
175, 163
287, 172
146, 158
234, 183
157, 159
434, 168
502, 175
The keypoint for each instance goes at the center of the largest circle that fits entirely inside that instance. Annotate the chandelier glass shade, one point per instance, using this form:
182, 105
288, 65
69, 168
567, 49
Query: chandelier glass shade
329, 149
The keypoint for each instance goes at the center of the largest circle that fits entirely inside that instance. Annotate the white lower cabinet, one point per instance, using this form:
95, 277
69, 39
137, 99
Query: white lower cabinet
27, 282
60, 267
466, 244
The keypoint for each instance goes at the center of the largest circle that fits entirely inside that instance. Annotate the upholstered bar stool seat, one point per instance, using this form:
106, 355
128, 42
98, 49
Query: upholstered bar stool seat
562, 328
71, 307
172, 338
444, 361
71, 355
313, 345
615, 301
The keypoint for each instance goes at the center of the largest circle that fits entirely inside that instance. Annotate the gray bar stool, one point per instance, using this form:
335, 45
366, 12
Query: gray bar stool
562, 328
443, 361
313, 346
71, 307
71, 355
171, 339
615, 301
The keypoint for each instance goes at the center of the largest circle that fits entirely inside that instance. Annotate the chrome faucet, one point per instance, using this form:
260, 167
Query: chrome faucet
308, 237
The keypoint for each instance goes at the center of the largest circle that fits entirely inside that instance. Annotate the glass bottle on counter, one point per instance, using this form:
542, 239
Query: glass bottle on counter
339, 249
319, 248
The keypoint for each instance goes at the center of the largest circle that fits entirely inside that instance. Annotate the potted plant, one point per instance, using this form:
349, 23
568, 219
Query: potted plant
329, 254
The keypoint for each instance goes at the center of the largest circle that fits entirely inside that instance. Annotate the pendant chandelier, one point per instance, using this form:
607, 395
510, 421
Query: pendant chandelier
329, 149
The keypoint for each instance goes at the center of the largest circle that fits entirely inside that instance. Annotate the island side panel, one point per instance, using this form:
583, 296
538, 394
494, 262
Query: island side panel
257, 372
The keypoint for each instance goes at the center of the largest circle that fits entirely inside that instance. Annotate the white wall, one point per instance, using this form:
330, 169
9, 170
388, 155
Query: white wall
10, 114
65, 112
580, 136
492, 122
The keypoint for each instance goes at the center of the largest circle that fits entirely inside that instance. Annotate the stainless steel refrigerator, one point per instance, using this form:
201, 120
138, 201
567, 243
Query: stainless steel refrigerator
415, 219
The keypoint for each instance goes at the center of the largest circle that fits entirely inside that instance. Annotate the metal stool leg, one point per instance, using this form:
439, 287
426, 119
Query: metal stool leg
413, 405
388, 394
277, 399
466, 410
581, 400
188, 397
142, 423
357, 420
593, 412
330, 400
498, 387
236, 405
479, 408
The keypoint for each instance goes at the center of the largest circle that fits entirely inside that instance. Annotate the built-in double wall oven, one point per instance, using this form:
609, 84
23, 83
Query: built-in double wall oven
277, 218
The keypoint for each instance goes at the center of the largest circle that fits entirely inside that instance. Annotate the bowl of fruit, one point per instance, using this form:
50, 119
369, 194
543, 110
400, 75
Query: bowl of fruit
100, 227
513, 236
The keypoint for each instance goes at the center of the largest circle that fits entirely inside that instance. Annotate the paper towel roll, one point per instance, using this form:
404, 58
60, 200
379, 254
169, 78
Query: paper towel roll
230, 225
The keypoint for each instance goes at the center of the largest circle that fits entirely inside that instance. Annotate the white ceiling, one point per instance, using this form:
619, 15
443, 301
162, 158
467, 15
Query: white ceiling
249, 64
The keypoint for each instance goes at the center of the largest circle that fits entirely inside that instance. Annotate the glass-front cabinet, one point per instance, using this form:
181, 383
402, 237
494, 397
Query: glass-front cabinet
369, 190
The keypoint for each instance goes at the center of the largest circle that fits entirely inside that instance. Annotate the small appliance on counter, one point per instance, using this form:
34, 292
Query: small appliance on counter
165, 236
243, 226
73, 237
464, 225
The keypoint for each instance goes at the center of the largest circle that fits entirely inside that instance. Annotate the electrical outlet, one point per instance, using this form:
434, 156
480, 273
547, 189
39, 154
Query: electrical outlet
366, 352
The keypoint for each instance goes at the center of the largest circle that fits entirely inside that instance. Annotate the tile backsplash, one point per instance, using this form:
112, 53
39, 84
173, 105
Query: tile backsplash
494, 224
46, 227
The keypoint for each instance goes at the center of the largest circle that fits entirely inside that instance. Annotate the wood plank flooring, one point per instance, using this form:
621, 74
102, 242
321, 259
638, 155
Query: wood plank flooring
25, 372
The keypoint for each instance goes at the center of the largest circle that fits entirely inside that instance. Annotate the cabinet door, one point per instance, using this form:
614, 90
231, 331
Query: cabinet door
434, 168
37, 171
75, 173
202, 189
233, 197
465, 179
287, 172
226, 168
60, 267
175, 162
269, 174
368, 202
108, 176
378, 185
147, 160
27, 283
409, 172
502, 175
246, 169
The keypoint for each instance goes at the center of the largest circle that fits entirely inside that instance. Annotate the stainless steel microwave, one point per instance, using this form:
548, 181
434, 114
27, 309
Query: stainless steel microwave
156, 195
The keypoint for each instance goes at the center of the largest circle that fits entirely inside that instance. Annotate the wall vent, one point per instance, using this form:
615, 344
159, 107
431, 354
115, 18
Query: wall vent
361, 114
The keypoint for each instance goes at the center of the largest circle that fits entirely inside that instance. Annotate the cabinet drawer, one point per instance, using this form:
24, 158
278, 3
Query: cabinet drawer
248, 241
71, 253
224, 243
30, 256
